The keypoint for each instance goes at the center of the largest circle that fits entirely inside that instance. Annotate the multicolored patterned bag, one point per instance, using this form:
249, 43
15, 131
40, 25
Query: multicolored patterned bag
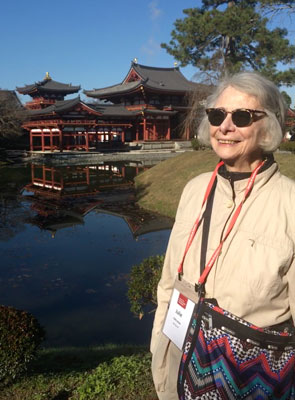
227, 358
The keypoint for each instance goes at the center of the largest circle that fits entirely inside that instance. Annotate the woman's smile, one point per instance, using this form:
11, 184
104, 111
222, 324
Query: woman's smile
227, 141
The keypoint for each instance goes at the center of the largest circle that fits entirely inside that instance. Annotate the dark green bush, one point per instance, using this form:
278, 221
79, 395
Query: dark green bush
142, 284
20, 336
287, 146
125, 377
196, 145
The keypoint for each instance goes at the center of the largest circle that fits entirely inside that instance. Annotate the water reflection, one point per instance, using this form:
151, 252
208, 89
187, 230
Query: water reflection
68, 237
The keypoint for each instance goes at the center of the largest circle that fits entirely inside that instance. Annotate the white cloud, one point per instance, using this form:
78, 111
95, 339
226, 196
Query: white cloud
155, 12
151, 47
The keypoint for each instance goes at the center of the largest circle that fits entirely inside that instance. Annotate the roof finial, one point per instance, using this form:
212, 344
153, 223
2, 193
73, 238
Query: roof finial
175, 64
47, 77
135, 60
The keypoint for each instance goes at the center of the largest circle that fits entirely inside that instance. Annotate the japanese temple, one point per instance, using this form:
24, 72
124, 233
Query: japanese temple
148, 105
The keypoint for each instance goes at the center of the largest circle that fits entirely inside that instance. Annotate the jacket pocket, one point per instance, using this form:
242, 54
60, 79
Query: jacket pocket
165, 365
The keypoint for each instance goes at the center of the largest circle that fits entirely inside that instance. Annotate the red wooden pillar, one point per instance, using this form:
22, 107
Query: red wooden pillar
154, 129
87, 141
51, 141
60, 140
169, 130
123, 136
145, 136
31, 141
137, 132
42, 140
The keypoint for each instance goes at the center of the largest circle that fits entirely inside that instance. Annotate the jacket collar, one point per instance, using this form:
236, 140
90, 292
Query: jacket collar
237, 183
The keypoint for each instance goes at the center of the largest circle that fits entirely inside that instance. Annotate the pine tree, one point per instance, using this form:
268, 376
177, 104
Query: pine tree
227, 36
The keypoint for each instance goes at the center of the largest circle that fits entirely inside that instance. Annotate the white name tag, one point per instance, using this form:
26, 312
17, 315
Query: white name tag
178, 318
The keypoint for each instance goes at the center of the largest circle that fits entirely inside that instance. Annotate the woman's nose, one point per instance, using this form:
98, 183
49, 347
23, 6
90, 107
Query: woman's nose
227, 124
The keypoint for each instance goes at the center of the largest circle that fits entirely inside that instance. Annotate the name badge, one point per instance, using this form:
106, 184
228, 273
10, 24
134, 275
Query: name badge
178, 318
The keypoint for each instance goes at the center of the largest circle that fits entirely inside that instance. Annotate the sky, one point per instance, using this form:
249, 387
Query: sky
90, 43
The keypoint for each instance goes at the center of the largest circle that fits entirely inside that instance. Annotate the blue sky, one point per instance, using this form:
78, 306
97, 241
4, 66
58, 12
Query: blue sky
89, 43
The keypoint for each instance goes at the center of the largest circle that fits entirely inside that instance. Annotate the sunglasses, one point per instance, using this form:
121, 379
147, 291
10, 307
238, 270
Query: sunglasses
241, 117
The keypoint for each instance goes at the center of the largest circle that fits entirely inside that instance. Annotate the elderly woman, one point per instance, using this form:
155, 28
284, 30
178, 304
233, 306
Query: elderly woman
253, 274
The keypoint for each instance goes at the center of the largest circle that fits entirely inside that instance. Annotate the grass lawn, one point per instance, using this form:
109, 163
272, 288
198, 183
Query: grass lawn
160, 187
57, 373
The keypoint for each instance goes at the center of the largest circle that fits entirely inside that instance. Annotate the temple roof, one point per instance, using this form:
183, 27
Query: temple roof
113, 110
163, 78
150, 78
49, 86
60, 107
117, 110
114, 89
103, 110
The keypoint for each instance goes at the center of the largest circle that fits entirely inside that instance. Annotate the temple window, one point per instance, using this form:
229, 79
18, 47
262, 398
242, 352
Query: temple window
155, 100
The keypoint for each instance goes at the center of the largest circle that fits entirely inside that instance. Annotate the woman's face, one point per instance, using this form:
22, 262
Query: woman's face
237, 147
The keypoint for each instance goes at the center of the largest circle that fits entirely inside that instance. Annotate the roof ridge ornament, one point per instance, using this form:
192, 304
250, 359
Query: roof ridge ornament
175, 64
47, 77
134, 60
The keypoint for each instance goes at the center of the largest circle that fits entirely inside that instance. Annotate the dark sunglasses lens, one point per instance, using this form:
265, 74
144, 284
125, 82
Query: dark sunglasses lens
241, 118
216, 117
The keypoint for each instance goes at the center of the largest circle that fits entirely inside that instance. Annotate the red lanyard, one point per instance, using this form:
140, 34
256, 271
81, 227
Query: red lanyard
196, 225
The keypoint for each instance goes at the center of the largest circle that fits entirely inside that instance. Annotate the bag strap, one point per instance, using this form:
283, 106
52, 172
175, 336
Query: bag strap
206, 228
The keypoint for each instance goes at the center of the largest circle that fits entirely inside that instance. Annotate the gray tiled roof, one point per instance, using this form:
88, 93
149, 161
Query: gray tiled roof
106, 110
153, 78
114, 89
164, 78
48, 86
59, 107
113, 110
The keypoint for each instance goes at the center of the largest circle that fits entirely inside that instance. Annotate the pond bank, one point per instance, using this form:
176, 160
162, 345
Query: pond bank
148, 153
73, 158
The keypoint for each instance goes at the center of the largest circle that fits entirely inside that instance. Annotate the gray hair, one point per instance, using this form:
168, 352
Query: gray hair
270, 99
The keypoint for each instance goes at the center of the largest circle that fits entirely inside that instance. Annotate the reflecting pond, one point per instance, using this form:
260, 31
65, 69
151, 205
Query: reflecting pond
68, 238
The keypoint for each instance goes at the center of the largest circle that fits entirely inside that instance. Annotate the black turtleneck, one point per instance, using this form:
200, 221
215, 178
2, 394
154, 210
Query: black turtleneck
237, 176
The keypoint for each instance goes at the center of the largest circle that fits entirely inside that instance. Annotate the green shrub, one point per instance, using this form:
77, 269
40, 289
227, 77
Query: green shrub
20, 336
287, 146
196, 145
125, 377
142, 284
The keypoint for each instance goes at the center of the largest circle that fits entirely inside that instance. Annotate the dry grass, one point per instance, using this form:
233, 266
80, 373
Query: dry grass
286, 162
159, 188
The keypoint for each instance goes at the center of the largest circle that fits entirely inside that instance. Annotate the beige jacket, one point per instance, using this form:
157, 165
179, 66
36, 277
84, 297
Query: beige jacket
254, 276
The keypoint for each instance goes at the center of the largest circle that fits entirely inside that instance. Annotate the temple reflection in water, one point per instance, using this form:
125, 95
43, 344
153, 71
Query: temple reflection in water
61, 197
